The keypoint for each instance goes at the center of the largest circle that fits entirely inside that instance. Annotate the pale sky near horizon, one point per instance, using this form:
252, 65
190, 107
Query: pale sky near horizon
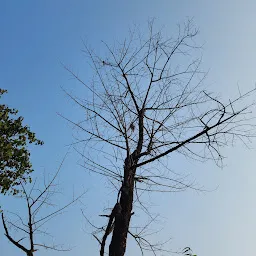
37, 36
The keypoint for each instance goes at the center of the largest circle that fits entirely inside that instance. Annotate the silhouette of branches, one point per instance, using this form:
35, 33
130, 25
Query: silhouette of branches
31, 225
144, 104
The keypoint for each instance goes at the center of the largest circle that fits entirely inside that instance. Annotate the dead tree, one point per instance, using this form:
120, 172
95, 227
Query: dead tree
145, 102
29, 227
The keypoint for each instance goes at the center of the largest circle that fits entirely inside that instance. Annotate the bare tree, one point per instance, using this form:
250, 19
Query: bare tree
145, 102
32, 225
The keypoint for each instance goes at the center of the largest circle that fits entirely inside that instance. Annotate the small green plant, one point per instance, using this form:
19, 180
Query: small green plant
188, 252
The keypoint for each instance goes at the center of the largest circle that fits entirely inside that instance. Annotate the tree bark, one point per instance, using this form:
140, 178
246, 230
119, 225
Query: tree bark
122, 221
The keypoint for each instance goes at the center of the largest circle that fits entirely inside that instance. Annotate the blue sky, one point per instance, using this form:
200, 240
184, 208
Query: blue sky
37, 36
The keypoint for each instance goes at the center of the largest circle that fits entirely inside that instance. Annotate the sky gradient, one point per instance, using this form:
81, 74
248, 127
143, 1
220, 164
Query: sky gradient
38, 36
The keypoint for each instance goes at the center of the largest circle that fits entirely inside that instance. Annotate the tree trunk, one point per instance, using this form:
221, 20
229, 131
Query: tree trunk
122, 221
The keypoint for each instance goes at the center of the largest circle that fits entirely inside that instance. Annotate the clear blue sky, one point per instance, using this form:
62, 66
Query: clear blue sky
36, 36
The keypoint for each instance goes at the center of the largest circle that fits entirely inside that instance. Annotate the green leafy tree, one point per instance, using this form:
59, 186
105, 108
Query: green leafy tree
15, 162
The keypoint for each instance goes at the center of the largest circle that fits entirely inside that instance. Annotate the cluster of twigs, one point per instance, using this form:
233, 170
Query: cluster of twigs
31, 225
146, 102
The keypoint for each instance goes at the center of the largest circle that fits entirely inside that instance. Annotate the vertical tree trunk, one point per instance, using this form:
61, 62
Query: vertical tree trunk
122, 221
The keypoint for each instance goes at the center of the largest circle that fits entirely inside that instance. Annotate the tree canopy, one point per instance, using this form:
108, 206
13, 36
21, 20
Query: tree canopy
15, 162
145, 103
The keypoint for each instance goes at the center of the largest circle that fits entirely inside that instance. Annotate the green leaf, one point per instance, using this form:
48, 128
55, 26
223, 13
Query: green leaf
15, 165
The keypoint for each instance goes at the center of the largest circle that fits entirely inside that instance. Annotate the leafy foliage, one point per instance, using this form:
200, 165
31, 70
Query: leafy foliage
15, 162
